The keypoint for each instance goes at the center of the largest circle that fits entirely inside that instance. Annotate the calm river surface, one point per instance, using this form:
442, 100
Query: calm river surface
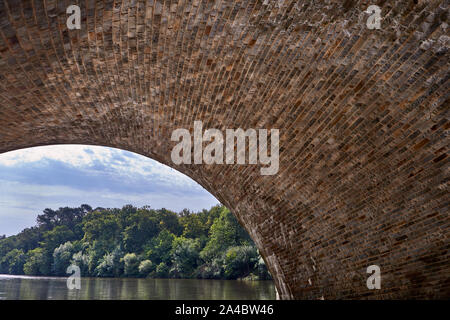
50, 288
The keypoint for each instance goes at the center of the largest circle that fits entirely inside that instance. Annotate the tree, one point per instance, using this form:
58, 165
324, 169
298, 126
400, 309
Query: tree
111, 265
185, 213
194, 226
145, 267
212, 269
29, 238
55, 237
141, 226
185, 257
66, 216
13, 262
95, 253
240, 261
162, 270
6, 245
36, 263
197, 225
82, 261
160, 246
169, 221
61, 258
131, 265
102, 227
225, 232
47, 220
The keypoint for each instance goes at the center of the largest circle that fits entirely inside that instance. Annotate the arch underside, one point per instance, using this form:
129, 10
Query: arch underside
362, 114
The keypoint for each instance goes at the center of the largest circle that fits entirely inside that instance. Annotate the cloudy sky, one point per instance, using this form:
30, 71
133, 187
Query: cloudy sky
70, 175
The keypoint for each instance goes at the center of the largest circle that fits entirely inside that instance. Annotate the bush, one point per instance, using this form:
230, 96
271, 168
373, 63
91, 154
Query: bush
131, 265
185, 256
145, 267
212, 269
95, 254
82, 261
240, 261
162, 270
111, 265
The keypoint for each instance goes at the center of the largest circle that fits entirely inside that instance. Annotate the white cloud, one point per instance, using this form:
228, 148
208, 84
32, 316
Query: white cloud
85, 157
76, 155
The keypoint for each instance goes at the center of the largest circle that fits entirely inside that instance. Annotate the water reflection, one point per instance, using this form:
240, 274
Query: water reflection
48, 288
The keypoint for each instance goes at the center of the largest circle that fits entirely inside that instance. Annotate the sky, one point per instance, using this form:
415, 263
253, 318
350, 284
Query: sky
70, 175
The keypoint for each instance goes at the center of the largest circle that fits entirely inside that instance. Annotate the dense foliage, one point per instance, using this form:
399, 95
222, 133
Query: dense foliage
134, 242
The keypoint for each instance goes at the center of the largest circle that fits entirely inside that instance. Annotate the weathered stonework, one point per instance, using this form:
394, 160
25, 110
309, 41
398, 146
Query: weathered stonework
363, 119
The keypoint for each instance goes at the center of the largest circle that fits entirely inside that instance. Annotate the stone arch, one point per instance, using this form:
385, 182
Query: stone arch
362, 113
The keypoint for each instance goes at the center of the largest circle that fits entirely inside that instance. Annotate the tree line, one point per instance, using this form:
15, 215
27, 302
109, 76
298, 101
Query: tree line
134, 242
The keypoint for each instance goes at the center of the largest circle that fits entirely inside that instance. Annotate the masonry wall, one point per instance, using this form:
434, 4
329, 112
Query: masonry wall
362, 114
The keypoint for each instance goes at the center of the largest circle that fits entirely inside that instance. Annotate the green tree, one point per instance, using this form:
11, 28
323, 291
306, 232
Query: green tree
66, 216
111, 265
169, 220
131, 265
13, 262
162, 270
28, 239
225, 232
160, 247
212, 269
95, 253
185, 257
145, 268
194, 226
103, 228
62, 256
240, 261
197, 225
55, 237
36, 263
6, 245
82, 261
141, 226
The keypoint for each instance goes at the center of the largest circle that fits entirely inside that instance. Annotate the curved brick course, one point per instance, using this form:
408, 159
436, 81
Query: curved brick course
363, 119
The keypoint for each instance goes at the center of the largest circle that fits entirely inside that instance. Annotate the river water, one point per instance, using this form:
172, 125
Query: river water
52, 288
